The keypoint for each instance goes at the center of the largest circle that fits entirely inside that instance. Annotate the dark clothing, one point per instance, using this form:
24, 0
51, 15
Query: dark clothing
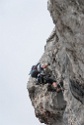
35, 74
45, 79
34, 71
49, 80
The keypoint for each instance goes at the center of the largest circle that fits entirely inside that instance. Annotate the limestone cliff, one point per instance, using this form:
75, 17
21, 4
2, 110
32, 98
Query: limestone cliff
64, 50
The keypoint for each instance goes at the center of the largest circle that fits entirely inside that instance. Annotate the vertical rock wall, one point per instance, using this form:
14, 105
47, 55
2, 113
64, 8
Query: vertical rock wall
64, 51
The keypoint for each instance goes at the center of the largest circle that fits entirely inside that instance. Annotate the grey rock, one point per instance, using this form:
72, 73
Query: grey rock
64, 51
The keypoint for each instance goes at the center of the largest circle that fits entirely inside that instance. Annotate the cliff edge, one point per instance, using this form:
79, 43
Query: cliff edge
64, 50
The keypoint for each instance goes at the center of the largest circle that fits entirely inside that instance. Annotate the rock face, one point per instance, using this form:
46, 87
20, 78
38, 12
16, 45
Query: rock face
64, 51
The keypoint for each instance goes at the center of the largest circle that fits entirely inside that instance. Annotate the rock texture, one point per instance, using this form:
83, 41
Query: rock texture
64, 51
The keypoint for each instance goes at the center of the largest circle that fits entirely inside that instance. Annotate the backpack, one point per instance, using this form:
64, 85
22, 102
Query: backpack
34, 71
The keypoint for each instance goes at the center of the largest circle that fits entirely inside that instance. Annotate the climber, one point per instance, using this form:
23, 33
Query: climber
43, 75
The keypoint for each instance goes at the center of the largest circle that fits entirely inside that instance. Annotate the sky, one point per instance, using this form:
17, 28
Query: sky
24, 27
